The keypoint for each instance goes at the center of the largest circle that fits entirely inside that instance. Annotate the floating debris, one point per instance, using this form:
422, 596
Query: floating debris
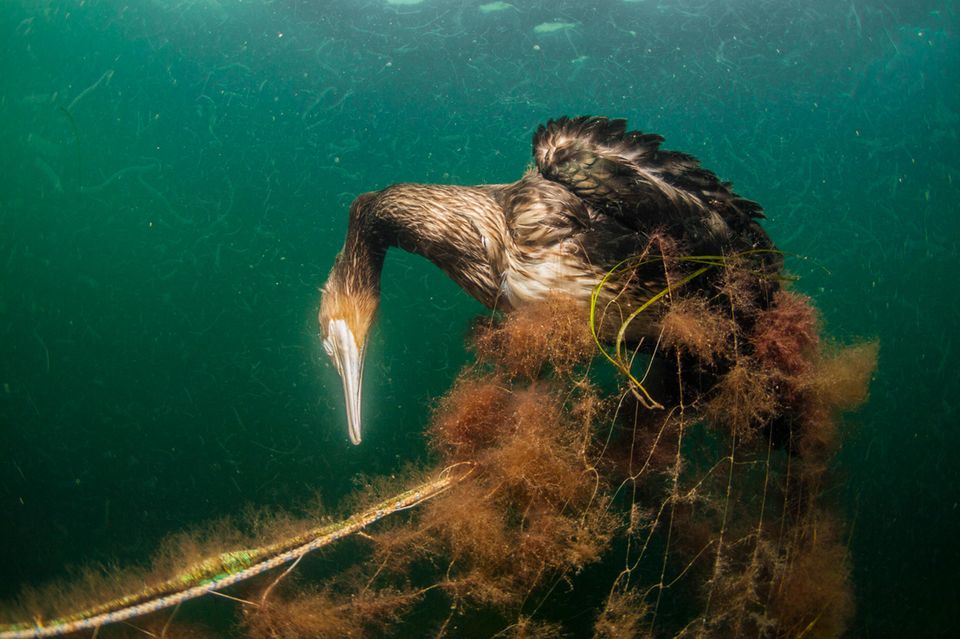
48, 172
401, 3
493, 7
551, 27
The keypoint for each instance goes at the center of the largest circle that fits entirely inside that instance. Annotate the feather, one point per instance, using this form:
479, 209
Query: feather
624, 174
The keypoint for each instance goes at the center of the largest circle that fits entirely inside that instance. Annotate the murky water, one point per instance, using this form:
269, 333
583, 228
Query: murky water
174, 181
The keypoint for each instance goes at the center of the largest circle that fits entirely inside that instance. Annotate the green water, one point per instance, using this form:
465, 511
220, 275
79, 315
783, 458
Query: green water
174, 181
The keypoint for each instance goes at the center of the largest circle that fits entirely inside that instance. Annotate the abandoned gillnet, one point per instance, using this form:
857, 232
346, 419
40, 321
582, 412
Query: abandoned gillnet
685, 495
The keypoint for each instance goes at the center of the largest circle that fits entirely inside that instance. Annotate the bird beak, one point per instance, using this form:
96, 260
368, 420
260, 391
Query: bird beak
343, 349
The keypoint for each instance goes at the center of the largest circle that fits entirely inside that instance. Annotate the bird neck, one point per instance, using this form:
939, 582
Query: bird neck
459, 228
360, 263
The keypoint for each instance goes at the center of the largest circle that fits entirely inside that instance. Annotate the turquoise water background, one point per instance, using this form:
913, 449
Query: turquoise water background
174, 182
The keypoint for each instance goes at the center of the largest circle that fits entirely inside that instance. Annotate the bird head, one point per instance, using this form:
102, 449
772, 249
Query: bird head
345, 321
348, 305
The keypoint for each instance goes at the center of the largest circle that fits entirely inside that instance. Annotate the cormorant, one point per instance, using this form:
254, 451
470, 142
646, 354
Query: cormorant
595, 196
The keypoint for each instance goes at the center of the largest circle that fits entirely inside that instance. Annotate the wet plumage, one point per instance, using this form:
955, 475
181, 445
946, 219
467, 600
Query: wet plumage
596, 195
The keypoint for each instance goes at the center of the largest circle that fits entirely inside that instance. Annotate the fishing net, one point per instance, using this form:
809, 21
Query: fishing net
684, 491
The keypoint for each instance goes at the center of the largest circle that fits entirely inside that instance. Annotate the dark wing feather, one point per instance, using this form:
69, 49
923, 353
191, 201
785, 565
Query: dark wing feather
625, 174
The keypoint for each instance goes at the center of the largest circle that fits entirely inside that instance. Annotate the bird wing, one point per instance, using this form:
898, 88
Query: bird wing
625, 174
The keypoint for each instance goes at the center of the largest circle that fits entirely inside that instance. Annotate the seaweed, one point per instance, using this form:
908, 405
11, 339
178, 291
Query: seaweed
568, 503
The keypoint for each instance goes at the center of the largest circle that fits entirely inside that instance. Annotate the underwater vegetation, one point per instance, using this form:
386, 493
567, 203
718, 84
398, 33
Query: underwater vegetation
557, 502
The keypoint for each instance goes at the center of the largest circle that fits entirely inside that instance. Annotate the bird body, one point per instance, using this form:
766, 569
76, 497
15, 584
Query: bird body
596, 195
